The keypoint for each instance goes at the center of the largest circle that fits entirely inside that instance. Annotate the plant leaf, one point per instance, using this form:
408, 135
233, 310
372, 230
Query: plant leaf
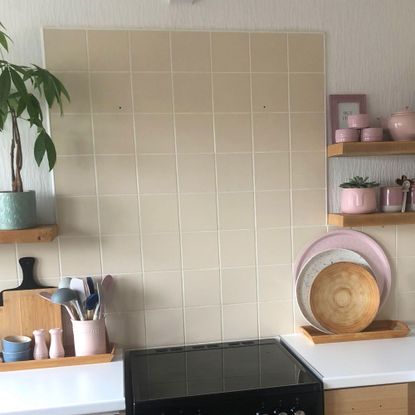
5, 84
44, 144
18, 82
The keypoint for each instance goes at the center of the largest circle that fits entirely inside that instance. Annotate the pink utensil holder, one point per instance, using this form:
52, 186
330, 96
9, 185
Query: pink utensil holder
89, 337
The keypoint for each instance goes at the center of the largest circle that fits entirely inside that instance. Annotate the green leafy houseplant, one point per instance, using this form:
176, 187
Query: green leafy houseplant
21, 88
358, 182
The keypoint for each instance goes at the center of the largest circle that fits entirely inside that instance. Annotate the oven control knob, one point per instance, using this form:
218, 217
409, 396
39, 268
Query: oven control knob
295, 410
280, 413
299, 412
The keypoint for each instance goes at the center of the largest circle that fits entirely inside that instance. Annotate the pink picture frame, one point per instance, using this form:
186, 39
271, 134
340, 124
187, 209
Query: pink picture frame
343, 105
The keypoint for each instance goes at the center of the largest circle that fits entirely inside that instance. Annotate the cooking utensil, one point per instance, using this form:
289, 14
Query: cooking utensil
344, 298
90, 282
310, 271
358, 242
66, 296
28, 282
97, 310
48, 296
78, 285
65, 282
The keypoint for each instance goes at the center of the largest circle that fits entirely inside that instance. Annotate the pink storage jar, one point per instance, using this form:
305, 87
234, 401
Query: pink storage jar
371, 134
358, 121
346, 135
391, 198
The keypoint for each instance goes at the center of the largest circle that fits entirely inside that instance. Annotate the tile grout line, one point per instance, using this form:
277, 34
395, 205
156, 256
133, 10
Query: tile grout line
178, 201
140, 233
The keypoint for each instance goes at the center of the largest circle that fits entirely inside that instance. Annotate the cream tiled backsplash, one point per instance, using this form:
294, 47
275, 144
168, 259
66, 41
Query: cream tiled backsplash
191, 166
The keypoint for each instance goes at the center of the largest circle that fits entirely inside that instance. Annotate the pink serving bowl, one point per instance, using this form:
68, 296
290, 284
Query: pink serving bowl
358, 121
346, 135
372, 134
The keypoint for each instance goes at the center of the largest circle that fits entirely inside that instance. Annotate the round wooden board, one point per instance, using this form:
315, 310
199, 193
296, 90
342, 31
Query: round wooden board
344, 298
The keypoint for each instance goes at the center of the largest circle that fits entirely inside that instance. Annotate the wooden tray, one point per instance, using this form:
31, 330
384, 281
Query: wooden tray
63, 361
380, 329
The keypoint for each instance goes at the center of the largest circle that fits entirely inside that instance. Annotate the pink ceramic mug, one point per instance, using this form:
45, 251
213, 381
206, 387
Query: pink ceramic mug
89, 337
391, 198
358, 121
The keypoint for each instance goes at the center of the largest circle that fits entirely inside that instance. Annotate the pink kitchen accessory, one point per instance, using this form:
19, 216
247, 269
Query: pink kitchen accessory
346, 135
391, 198
358, 121
89, 337
356, 241
371, 134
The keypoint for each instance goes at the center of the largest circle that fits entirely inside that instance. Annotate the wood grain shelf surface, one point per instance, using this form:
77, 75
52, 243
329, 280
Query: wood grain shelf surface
371, 219
382, 148
42, 233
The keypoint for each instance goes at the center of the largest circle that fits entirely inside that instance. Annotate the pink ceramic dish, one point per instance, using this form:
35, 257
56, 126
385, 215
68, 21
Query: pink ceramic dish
372, 134
345, 135
356, 241
358, 121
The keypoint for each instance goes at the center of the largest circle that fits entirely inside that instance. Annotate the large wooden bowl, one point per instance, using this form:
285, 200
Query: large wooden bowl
344, 298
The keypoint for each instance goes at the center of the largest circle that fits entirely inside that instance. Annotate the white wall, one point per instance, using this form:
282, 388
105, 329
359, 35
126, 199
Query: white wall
370, 43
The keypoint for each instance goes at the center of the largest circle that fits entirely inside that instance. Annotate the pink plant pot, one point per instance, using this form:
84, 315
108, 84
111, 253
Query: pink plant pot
358, 121
355, 201
345, 135
89, 337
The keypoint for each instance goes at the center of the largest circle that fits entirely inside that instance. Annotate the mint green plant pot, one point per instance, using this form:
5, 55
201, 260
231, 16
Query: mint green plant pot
17, 210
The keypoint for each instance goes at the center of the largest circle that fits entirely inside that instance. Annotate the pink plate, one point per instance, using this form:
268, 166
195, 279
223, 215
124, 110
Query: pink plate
356, 241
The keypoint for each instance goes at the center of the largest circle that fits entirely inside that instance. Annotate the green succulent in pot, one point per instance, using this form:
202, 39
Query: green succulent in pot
358, 182
358, 196
22, 91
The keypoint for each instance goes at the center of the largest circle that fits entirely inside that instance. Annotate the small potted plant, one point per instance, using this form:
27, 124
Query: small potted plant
22, 89
358, 195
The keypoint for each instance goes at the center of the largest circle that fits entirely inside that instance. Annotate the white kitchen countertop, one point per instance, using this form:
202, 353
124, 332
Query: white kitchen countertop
358, 363
66, 390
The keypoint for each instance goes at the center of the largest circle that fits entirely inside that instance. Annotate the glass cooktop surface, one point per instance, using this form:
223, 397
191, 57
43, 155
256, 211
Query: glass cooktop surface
213, 368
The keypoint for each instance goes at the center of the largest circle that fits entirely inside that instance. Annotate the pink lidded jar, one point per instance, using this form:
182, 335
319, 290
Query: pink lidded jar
346, 135
371, 134
358, 121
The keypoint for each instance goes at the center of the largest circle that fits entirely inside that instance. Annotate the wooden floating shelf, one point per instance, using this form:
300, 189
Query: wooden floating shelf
382, 148
42, 233
371, 219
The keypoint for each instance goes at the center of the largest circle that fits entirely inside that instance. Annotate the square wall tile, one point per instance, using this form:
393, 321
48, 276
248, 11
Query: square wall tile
231, 92
404, 237
116, 175
269, 92
157, 173
152, 92
109, 50
65, 50
275, 283
269, 52
405, 275
159, 213
233, 133
230, 52
200, 250
198, 212
164, 327
9, 262
273, 209
203, 324
75, 176
274, 246
309, 207
191, 51
111, 92
121, 254
303, 236
194, 133
307, 92
161, 252
163, 290
72, 134
77, 216
308, 170
306, 52
240, 321
308, 132
127, 329
77, 85
118, 214
236, 210
114, 133
272, 171
406, 307
234, 172
385, 236
201, 287
196, 173
192, 92
237, 248
239, 285
275, 318
127, 294
271, 132
150, 50
155, 133
80, 256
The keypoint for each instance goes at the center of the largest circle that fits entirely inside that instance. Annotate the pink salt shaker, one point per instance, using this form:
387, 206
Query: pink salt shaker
358, 121
56, 347
40, 351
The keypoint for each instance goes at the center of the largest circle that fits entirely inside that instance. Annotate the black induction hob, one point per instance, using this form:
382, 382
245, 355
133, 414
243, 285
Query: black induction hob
237, 378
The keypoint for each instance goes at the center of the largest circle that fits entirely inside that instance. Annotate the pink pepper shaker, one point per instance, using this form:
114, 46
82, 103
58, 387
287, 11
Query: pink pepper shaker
40, 350
56, 347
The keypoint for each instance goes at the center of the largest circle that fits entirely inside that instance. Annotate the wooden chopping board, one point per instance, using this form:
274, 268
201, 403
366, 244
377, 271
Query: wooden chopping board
24, 311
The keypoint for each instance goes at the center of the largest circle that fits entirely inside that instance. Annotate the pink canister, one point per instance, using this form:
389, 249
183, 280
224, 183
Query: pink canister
371, 134
345, 135
391, 198
89, 337
358, 121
